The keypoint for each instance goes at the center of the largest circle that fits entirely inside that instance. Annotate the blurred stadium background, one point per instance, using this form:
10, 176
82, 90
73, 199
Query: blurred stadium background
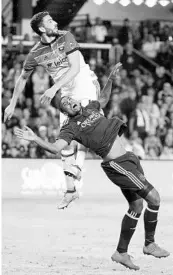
36, 238
143, 94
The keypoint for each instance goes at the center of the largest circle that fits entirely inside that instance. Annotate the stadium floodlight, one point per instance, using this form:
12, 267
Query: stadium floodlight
124, 3
164, 3
137, 2
99, 2
150, 3
112, 1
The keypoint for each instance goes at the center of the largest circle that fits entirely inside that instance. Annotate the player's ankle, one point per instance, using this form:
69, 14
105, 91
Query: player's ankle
71, 190
122, 251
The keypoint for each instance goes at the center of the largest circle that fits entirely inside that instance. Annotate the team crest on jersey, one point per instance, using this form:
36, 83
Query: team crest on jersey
46, 57
61, 48
72, 45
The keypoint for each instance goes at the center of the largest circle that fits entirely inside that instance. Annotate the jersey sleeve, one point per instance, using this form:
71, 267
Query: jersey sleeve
71, 44
94, 104
67, 133
30, 63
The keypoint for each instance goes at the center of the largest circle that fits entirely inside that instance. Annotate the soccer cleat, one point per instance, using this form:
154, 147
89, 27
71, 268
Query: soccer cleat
155, 250
69, 196
124, 259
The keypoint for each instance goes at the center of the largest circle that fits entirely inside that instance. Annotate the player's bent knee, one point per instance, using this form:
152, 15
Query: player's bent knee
153, 197
82, 148
137, 206
70, 168
73, 171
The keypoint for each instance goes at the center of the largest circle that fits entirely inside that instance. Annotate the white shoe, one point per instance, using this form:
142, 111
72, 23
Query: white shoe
69, 196
155, 250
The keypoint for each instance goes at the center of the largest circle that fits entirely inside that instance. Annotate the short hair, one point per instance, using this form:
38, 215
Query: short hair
37, 20
60, 106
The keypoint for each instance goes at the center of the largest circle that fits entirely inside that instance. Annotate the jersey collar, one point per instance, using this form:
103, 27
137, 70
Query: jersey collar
47, 44
80, 116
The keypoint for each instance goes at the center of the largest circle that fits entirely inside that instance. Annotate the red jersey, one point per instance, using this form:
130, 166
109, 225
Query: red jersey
53, 56
92, 129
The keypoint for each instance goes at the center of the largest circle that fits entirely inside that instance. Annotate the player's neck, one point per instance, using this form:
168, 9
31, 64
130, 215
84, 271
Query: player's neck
46, 39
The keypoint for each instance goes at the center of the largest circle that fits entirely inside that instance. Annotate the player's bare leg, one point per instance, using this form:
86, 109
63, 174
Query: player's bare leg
150, 223
80, 155
73, 158
128, 227
72, 173
73, 178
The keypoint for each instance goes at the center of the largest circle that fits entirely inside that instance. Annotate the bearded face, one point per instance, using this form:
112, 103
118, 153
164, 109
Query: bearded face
49, 26
52, 32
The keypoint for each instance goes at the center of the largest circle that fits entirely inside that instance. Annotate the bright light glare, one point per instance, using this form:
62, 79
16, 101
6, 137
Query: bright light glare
150, 3
112, 1
124, 2
137, 2
99, 2
164, 3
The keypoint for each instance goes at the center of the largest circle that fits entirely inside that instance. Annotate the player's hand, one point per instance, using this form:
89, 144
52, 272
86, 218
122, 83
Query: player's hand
9, 111
26, 134
115, 70
47, 96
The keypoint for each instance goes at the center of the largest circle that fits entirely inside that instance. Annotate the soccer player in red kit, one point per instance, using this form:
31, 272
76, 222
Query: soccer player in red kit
89, 127
58, 52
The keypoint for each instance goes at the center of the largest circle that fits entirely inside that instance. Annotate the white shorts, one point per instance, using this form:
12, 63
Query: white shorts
85, 87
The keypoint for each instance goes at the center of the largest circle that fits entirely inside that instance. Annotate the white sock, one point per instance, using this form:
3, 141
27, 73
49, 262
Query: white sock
80, 157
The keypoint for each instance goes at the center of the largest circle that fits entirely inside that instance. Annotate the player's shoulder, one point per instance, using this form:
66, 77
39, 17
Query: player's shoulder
62, 37
65, 122
65, 35
62, 32
68, 123
93, 104
35, 49
69, 126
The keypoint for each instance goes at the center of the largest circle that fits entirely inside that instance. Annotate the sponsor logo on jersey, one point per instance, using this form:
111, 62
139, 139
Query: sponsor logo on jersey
57, 63
91, 119
61, 48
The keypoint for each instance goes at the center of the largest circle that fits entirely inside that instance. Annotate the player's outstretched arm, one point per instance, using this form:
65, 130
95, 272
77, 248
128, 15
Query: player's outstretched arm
19, 87
106, 91
29, 135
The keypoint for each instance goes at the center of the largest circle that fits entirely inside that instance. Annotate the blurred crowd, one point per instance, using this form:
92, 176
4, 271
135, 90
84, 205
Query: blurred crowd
142, 98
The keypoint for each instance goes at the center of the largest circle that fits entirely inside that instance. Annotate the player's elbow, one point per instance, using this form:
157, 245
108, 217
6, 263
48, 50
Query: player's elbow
25, 75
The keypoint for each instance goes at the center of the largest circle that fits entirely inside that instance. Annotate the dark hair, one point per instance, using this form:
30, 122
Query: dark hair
60, 106
37, 20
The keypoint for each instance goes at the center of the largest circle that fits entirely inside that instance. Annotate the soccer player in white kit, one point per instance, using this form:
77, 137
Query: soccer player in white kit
58, 52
